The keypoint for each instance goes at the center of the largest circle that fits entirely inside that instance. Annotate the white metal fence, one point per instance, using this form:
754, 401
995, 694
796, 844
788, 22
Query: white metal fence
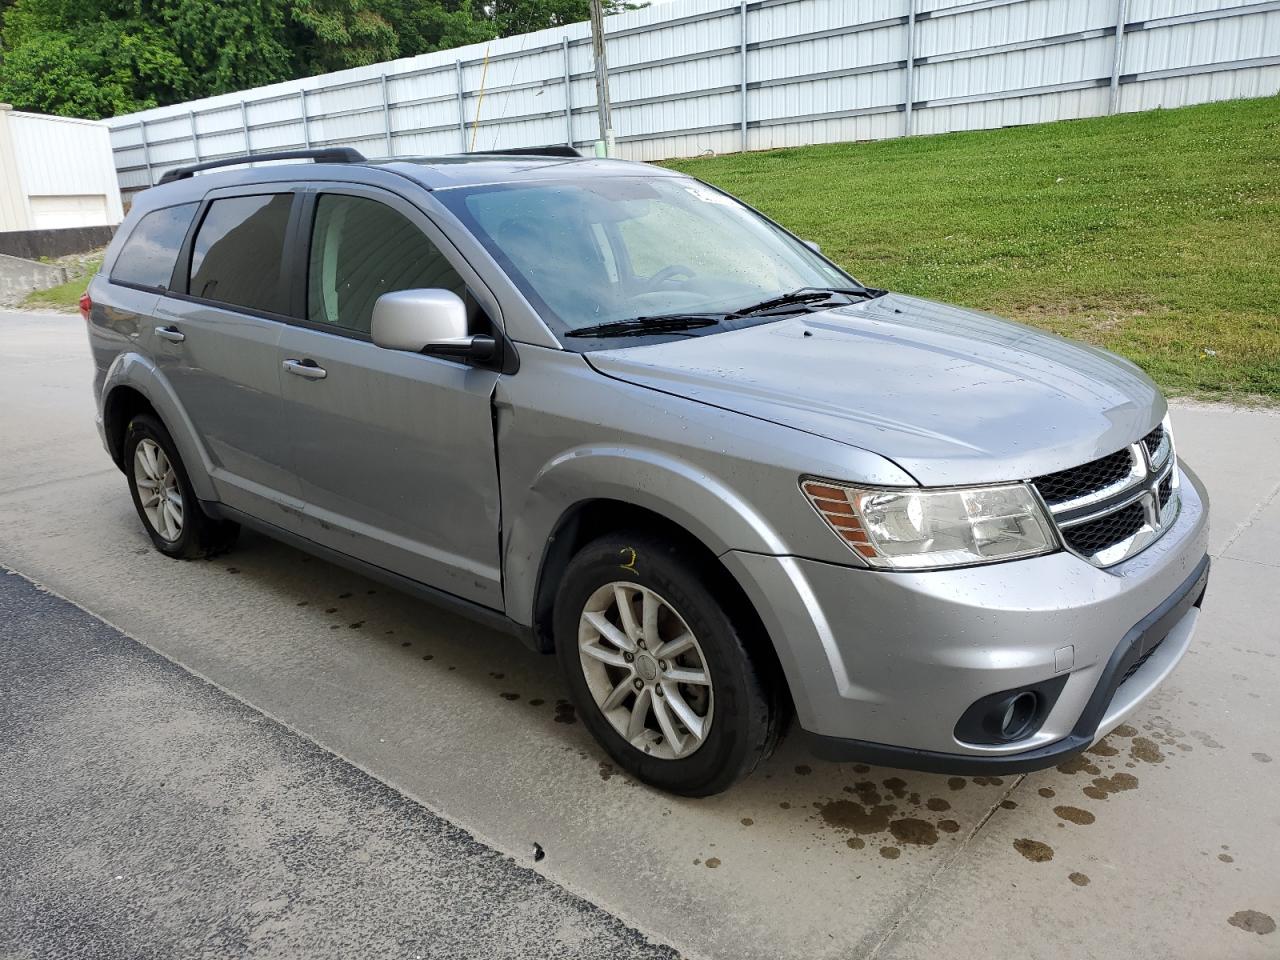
717, 76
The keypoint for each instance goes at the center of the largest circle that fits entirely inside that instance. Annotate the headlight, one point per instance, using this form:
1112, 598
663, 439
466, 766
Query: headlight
918, 528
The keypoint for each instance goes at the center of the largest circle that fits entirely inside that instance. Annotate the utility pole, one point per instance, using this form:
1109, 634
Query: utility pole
602, 77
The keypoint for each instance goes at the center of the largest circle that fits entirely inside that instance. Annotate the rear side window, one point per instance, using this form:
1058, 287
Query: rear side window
149, 254
361, 249
239, 252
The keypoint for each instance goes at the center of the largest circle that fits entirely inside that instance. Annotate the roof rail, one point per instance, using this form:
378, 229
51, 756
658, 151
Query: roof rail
325, 155
554, 151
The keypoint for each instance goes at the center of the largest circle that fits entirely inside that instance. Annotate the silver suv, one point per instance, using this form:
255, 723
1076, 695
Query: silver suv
616, 413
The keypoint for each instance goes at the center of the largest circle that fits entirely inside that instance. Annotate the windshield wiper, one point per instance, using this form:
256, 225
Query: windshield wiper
803, 296
642, 326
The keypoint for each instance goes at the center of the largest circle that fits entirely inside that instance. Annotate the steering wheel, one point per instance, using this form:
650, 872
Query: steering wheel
667, 274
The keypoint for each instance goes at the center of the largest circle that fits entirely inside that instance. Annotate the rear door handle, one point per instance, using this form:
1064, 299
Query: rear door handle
170, 333
305, 368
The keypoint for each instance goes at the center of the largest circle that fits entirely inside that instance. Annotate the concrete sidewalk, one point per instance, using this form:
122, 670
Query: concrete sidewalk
1161, 842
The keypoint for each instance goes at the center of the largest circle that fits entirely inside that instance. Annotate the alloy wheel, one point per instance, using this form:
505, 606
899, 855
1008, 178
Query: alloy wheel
646, 670
158, 490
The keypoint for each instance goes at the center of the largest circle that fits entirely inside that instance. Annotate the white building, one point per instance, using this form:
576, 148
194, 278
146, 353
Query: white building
55, 172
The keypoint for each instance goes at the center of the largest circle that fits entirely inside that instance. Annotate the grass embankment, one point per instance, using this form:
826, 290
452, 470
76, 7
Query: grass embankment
65, 296
1156, 235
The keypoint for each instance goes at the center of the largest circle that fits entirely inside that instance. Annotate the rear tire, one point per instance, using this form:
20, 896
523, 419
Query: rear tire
670, 689
163, 496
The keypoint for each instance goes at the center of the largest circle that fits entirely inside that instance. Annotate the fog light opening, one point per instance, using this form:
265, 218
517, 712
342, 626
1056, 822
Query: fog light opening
1018, 715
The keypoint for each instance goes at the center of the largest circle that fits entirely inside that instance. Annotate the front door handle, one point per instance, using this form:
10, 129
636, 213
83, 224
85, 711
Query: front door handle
170, 333
305, 368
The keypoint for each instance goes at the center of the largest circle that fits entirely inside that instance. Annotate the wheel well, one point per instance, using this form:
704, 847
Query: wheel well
123, 404
590, 519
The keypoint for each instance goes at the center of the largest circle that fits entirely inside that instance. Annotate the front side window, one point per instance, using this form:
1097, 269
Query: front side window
238, 254
361, 249
149, 254
608, 249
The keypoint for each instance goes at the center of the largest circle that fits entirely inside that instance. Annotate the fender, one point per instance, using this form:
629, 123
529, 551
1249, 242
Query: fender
709, 509
130, 369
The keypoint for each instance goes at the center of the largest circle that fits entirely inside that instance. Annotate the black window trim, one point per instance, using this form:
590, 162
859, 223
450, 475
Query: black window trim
144, 287
181, 281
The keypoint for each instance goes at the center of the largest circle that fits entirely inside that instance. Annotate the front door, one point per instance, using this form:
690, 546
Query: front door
394, 451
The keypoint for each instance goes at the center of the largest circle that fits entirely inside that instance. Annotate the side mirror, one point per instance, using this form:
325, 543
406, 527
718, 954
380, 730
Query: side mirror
812, 245
427, 321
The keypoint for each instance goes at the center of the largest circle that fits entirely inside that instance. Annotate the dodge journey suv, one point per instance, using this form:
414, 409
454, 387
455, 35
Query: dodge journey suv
614, 412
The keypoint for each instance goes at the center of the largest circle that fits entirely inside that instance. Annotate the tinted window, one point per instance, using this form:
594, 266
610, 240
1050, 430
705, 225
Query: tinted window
151, 250
239, 250
361, 249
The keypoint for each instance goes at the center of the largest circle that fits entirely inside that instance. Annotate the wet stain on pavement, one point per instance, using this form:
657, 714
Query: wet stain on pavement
510, 696
938, 804
1047, 792
746, 821
1103, 787
1125, 730
1079, 764
804, 770
1033, 850
1079, 879
949, 826
565, 712
1261, 757
1075, 815
607, 770
1145, 749
713, 862
890, 853
536, 702
855, 817
957, 783
855, 843
1226, 858
915, 831
1009, 804
1251, 921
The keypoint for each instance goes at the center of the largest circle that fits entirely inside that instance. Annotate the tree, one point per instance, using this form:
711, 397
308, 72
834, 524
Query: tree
511, 17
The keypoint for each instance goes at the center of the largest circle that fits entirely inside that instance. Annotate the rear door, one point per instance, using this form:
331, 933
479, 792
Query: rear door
394, 451
217, 335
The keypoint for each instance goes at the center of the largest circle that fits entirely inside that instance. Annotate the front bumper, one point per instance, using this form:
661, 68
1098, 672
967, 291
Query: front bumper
882, 665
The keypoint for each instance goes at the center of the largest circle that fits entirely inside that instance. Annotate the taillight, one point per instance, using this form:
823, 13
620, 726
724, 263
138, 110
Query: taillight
86, 304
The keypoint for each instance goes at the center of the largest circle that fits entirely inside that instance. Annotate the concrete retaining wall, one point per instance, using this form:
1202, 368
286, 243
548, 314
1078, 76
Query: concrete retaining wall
34, 244
19, 277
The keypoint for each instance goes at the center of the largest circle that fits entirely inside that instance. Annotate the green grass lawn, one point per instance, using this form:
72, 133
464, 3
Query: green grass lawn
1156, 235
65, 296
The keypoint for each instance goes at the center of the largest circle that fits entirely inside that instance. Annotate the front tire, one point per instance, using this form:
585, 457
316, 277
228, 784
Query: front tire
163, 495
659, 672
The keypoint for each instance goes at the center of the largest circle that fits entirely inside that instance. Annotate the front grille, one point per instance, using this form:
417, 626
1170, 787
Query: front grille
1152, 441
1094, 536
1137, 664
1166, 490
1079, 482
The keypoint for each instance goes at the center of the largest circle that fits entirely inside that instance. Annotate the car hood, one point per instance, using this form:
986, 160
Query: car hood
950, 395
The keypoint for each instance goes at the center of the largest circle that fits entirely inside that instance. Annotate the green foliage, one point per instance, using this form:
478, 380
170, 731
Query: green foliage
1151, 234
96, 58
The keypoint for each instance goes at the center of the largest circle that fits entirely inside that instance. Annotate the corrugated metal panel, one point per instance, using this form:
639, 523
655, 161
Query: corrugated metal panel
816, 71
59, 157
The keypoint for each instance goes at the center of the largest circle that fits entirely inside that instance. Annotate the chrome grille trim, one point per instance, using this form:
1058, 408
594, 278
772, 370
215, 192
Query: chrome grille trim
1108, 511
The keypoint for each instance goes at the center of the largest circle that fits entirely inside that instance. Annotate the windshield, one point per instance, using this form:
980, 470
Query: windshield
609, 249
